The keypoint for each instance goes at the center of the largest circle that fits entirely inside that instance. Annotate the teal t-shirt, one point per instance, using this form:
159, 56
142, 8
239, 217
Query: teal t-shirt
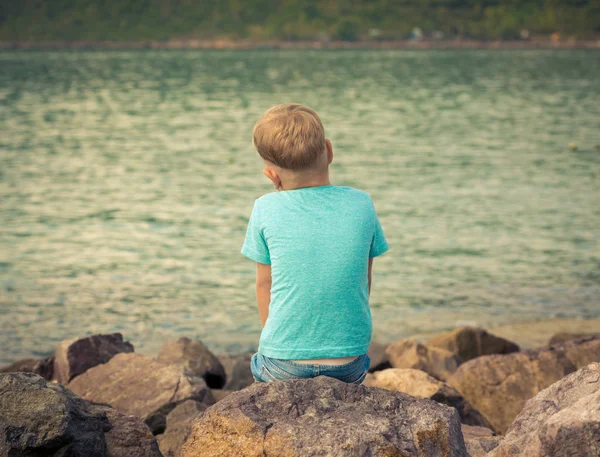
318, 241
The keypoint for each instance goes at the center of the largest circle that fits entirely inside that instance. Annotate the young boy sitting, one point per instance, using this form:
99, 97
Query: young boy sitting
314, 245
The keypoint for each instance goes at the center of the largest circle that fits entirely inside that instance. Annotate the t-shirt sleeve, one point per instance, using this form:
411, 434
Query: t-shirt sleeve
379, 244
255, 246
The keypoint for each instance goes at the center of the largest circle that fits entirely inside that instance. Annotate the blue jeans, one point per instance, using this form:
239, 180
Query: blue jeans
267, 369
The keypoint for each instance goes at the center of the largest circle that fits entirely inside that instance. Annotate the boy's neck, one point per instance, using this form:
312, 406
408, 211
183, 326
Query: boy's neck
292, 182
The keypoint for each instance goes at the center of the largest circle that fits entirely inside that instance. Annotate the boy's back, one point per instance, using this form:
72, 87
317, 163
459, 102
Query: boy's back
318, 241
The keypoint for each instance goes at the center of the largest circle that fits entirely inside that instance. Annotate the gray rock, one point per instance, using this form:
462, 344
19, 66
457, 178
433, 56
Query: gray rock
129, 436
74, 357
324, 416
193, 355
179, 427
41, 419
139, 385
237, 369
499, 385
479, 440
378, 357
436, 362
43, 367
562, 420
419, 384
470, 342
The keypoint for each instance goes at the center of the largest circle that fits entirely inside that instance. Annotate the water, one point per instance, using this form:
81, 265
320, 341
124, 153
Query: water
127, 179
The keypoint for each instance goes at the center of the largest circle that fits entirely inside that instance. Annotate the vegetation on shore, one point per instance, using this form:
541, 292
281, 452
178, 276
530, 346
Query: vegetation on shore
348, 20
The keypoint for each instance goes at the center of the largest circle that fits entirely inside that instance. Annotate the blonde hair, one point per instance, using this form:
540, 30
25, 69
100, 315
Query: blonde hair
289, 135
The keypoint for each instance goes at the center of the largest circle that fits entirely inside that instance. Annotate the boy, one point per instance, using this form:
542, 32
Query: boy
314, 245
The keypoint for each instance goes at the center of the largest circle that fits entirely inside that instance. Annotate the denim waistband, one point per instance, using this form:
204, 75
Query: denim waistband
358, 360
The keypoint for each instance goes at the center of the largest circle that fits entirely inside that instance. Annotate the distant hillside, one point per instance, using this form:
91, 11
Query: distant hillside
135, 20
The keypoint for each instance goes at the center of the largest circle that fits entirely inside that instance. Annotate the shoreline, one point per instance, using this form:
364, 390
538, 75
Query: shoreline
279, 45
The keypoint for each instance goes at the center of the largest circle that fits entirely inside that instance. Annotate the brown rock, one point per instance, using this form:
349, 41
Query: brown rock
43, 367
324, 416
419, 384
479, 440
406, 353
74, 357
220, 394
193, 355
129, 436
560, 338
470, 342
562, 420
378, 357
179, 427
237, 370
499, 385
140, 386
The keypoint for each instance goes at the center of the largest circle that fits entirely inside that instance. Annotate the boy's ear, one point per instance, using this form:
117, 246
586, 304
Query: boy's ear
273, 176
329, 151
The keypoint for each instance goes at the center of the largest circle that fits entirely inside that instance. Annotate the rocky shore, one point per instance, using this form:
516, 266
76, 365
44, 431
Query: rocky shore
464, 393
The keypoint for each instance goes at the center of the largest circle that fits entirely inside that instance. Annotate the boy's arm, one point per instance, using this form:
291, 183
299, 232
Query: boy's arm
369, 274
263, 290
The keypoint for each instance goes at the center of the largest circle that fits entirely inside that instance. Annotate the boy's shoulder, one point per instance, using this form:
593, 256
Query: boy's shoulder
338, 191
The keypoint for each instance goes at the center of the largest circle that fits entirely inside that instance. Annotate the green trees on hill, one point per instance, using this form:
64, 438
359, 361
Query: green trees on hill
128, 20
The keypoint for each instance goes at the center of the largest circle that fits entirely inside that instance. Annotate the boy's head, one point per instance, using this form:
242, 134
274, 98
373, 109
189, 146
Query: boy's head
291, 140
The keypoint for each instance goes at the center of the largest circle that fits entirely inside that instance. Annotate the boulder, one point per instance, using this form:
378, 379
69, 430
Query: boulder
470, 342
179, 427
562, 420
194, 356
479, 440
378, 357
139, 385
237, 370
406, 353
42, 419
419, 384
499, 385
220, 394
560, 338
43, 367
74, 357
129, 436
324, 416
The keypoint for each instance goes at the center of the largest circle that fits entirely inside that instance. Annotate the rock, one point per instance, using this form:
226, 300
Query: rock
419, 384
129, 436
499, 385
195, 357
179, 426
378, 357
560, 338
470, 342
406, 353
139, 385
220, 394
43, 367
479, 440
562, 420
74, 357
42, 419
237, 370
324, 416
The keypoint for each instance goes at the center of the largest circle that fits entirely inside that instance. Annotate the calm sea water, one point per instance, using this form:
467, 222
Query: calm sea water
127, 179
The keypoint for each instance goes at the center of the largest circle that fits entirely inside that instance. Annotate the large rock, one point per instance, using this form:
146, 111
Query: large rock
139, 385
324, 416
129, 436
179, 427
419, 384
562, 420
193, 355
406, 353
560, 338
470, 342
479, 440
40, 419
237, 370
74, 357
378, 357
43, 367
499, 385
